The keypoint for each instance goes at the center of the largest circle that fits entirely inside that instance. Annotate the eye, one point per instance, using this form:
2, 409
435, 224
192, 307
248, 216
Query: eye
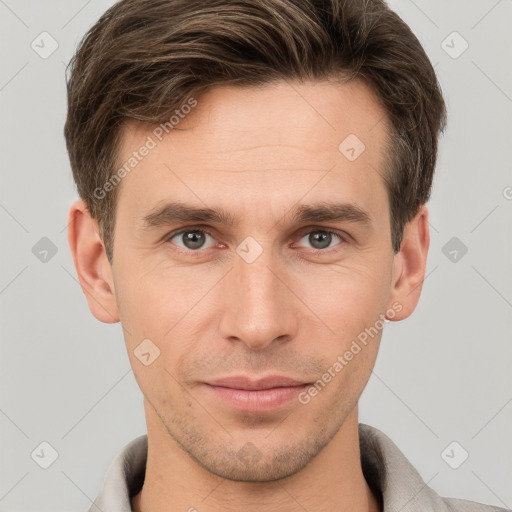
321, 238
192, 239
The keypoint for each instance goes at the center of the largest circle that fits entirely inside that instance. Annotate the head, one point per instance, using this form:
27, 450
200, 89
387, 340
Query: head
253, 179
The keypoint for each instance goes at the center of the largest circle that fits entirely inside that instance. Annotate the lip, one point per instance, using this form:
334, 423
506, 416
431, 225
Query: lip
246, 383
256, 395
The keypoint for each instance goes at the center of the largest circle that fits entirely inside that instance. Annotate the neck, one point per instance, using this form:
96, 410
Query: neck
333, 480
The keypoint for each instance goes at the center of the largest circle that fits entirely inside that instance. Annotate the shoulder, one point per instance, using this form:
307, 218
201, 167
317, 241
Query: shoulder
459, 505
391, 475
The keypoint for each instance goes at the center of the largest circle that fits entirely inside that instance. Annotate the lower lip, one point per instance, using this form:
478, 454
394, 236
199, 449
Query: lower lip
257, 401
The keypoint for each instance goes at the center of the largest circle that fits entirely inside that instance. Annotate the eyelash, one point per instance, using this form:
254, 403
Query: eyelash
316, 252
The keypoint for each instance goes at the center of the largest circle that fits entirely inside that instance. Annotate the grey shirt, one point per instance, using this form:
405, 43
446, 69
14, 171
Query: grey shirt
389, 474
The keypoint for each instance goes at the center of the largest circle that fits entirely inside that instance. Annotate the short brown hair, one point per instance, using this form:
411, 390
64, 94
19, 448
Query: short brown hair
144, 58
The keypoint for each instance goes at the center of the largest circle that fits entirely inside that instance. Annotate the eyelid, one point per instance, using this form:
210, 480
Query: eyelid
326, 229
185, 229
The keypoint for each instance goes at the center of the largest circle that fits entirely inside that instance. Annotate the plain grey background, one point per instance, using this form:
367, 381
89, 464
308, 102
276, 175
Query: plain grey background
443, 375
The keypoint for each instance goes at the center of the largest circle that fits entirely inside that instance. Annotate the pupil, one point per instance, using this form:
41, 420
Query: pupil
320, 239
193, 239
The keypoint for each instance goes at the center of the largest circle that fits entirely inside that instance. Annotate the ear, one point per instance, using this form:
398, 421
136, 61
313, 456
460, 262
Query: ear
91, 263
409, 265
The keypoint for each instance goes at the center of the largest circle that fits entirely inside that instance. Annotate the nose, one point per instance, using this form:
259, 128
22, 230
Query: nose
257, 306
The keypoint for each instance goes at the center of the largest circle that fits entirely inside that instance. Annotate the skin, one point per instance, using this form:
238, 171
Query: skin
256, 153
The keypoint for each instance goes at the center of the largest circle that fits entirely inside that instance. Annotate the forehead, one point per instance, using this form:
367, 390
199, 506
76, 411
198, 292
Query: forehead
279, 138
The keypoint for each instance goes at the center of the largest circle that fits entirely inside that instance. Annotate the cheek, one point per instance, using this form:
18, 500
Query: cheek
351, 302
156, 300
347, 298
161, 312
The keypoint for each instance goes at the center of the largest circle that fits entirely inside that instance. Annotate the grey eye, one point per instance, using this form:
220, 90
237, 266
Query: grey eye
320, 239
192, 239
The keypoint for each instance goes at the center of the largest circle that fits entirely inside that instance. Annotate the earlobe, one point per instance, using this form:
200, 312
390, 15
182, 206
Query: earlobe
91, 263
409, 265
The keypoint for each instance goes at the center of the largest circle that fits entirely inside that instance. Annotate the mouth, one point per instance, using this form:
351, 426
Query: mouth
256, 395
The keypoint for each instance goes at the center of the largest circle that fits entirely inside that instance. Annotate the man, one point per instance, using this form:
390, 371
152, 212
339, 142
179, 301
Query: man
253, 180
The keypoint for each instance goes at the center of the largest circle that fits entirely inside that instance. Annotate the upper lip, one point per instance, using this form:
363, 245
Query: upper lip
243, 382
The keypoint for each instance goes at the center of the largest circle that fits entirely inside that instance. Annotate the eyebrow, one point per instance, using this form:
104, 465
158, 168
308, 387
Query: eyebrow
176, 211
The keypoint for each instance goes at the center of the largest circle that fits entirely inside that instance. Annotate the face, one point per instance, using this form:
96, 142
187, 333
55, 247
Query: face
251, 304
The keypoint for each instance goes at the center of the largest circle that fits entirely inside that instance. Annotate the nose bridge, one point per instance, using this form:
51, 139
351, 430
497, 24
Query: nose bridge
258, 306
